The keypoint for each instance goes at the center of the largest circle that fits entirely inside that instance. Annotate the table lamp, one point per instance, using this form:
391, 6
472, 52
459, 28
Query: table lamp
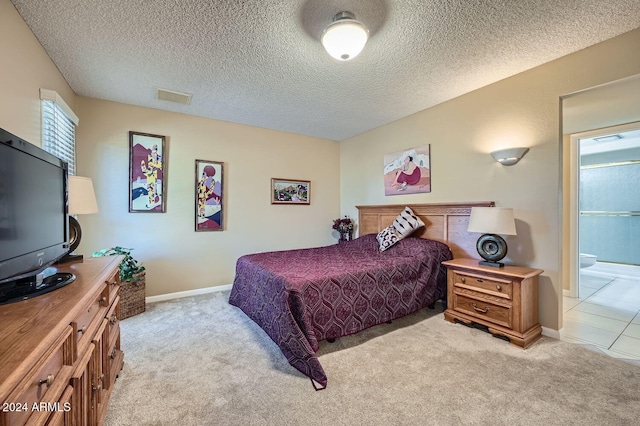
82, 200
491, 221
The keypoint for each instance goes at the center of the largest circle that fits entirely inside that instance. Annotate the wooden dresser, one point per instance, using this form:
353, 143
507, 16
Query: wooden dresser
60, 352
505, 300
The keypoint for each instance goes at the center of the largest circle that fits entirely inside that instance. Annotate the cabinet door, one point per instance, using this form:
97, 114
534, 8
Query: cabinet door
114, 359
98, 373
82, 392
63, 414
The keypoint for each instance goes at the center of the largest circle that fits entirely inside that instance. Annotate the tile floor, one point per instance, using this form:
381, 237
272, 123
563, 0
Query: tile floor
607, 313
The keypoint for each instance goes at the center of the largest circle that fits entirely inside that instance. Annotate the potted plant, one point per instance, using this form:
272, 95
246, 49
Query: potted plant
132, 281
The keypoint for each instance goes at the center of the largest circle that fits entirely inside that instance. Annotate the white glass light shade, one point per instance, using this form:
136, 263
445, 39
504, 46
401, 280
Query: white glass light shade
344, 38
509, 157
492, 220
82, 198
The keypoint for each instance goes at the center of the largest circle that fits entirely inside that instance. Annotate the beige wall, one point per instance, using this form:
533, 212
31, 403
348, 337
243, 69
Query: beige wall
25, 69
177, 257
523, 110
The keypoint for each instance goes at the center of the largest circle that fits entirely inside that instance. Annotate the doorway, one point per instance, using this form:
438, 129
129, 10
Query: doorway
605, 211
603, 307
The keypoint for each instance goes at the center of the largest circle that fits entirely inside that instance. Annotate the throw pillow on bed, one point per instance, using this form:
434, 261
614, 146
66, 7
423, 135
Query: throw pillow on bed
387, 238
406, 223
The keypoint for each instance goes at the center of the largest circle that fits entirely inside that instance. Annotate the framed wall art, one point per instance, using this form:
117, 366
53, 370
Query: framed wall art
408, 172
290, 191
147, 173
209, 201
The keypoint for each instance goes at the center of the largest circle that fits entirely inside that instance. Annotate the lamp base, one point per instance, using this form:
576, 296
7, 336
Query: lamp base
492, 248
69, 257
75, 234
492, 264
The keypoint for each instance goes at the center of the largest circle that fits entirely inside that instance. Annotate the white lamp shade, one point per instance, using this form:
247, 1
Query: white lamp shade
82, 199
492, 220
344, 39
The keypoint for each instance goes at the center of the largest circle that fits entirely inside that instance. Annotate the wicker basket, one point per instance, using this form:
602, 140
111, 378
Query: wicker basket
132, 296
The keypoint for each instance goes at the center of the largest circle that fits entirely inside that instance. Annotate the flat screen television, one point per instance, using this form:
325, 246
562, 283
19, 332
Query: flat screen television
34, 219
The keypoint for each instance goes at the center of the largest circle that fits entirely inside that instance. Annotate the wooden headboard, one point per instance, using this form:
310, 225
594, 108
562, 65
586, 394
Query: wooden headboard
443, 222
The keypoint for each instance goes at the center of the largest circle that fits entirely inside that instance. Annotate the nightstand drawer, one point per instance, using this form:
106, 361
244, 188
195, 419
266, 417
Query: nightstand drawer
494, 286
487, 311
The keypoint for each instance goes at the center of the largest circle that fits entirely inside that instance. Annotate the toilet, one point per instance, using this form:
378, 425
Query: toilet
587, 260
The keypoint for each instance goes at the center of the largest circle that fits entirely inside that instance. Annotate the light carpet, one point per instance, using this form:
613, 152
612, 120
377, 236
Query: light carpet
200, 361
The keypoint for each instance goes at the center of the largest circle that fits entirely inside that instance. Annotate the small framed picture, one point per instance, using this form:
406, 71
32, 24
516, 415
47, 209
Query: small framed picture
290, 191
147, 173
209, 201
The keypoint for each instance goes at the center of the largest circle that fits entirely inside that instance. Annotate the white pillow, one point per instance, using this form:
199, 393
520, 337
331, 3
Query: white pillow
387, 238
406, 223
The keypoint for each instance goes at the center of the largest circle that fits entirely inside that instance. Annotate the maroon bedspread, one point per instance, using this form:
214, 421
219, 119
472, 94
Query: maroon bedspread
300, 297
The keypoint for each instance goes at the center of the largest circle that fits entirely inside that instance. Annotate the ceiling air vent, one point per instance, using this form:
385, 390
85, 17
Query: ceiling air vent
608, 138
173, 96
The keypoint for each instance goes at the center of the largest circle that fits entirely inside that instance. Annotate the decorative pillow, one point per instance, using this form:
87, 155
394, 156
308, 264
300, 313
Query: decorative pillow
406, 223
387, 238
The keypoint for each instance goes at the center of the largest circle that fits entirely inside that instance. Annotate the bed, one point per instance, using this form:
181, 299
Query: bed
302, 297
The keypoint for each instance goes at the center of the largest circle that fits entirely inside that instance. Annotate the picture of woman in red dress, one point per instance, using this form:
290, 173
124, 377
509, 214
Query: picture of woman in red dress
408, 171
409, 175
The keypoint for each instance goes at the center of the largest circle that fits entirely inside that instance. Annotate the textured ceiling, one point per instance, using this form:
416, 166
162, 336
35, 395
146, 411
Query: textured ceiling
261, 62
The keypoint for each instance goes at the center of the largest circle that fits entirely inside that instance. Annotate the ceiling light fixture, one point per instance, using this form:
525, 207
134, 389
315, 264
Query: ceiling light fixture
345, 37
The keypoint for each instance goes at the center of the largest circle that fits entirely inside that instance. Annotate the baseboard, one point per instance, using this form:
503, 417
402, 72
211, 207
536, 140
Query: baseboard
188, 293
550, 332
566, 293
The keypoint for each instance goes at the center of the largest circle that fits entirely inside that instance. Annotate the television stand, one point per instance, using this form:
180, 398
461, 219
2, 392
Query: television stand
33, 286
60, 352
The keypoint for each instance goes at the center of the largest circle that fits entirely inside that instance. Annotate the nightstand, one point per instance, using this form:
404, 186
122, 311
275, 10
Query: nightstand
504, 300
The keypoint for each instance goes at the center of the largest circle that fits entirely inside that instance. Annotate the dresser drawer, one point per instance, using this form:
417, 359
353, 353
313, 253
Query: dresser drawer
113, 283
90, 318
44, 383
113, 329
483, 309
494, 286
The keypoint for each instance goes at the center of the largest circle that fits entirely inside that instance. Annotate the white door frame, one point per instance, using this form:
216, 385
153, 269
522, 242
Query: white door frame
574, 198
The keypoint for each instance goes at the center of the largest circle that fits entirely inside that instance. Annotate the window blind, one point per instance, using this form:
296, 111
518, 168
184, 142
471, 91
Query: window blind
59, 131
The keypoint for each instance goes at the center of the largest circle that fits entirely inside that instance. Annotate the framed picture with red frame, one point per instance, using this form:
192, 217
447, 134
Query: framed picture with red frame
209, 197
147, 173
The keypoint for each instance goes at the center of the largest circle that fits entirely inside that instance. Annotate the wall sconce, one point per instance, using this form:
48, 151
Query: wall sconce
509, 157
345, 37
